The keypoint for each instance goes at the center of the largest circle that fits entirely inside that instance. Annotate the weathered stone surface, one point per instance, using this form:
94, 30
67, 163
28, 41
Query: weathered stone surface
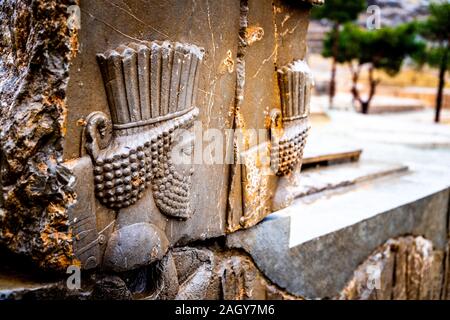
400, 290
446, 275
406, 268
82, 217
240, 279
194, 269
36, 48
119, 203
111, 288
250, 59
15, 284
135, 246
373, 279
268, 49
433, 278
114, 205
169, 279
19, 279
208, 273
291, 20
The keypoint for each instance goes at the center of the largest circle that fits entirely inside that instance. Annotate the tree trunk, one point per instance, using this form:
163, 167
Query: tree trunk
440, 93
355, 70
335, 52
365, 104
373, 85
364, 107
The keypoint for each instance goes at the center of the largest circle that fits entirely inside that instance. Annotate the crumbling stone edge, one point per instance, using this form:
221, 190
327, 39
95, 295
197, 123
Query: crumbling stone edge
36, 48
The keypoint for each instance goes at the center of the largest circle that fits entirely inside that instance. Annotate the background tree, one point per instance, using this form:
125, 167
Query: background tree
383, 49
337, 12
436, 29
349, 43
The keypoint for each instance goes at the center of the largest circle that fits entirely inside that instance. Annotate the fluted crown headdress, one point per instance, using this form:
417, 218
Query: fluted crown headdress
149, 82
295, 81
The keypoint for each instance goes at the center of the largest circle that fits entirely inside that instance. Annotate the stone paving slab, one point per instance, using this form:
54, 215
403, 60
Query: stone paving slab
331, 177
321, 151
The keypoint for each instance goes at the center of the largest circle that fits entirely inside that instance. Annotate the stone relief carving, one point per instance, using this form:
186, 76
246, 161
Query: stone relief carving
204, 273
61, 207
281, 155
289, 129
151, 93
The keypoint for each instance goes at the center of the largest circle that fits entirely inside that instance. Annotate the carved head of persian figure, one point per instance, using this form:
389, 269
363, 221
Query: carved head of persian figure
151, 90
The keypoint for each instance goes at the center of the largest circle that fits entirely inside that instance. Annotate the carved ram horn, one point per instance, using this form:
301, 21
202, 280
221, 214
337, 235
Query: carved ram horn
98, 133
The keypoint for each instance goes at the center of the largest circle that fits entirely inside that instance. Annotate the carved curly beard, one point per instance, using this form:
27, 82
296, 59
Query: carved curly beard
124, 171
171, 189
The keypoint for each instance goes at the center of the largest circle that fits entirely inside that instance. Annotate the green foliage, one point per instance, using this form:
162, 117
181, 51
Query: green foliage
339, 11
349, 42
432, 56
436, 29
437, 26
385, 48
390, 46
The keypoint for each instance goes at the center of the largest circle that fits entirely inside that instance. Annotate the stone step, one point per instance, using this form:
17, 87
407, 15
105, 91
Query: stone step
319, 153
315, 180
312, 247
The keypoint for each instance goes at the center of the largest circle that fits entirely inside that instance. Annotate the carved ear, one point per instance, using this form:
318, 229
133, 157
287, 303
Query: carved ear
98, 133
276, 125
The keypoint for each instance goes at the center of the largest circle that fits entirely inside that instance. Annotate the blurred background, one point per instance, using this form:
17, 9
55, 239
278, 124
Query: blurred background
380, 112
381, 57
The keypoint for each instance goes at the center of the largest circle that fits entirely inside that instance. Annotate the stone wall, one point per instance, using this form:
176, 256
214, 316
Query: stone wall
92, 95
